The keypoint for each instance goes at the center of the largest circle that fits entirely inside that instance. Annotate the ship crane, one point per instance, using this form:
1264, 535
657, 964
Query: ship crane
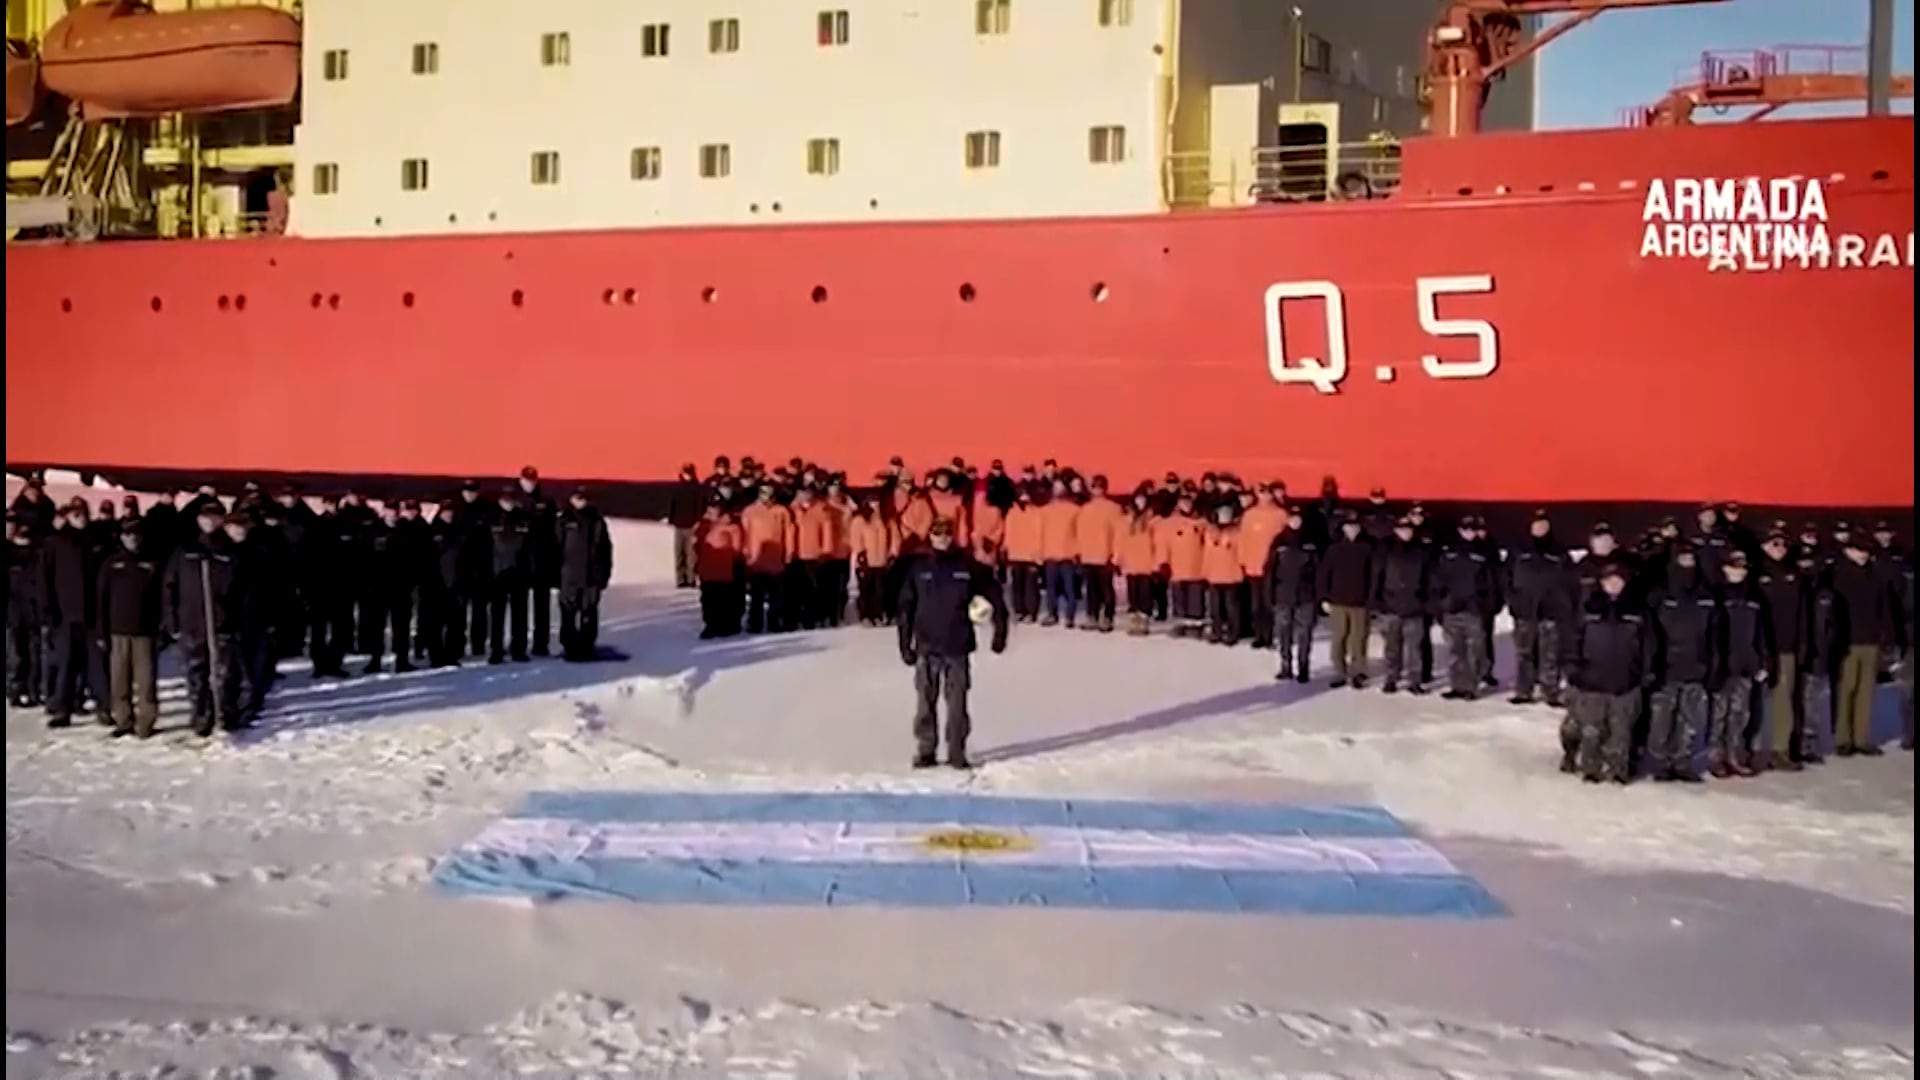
1475, 42
1765, 81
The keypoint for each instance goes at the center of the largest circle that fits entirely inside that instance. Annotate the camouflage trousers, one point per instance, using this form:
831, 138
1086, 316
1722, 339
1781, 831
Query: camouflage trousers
1732, 715
1603, 724
1402, 635
1293, 635
1536, 647
1466, 651
1676, 714
1816, 735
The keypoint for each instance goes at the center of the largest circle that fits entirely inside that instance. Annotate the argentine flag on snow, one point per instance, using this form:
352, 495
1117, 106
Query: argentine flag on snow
952, 850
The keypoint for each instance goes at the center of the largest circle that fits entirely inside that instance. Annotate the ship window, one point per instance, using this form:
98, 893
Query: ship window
992, 17
823, 157
326, 178
723, 36
1107, 145
653, 39
333, 65
1316, 54
426, 58
983, 149
831, 27
1116, 12
546, 167
556, 50
644, 163
413, 174
716, 161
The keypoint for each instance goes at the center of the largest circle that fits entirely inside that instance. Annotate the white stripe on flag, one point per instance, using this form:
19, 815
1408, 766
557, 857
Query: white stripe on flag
824, 842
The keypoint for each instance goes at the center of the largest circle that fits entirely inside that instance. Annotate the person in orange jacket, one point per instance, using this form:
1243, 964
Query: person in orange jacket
875, 541
1262, 523
839, 552
1182, 552
771, 538
1023, 556
809, 584
946, 502
1137, 552
1058, 557
989, 533
1221, 558
718, 546
1096, 534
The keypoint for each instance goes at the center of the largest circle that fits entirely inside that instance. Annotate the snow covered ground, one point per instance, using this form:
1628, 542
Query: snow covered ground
263, 908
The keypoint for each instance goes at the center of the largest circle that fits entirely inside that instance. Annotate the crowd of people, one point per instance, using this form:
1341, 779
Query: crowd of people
1771, 646
95, 596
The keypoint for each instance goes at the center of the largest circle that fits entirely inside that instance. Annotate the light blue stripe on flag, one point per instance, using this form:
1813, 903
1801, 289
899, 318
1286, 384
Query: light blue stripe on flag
873, 849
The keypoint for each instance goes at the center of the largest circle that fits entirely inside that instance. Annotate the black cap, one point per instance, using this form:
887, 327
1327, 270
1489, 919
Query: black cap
1777, 536
1613, 570
528, 472
1540, 514
1810, 527
130, 525
1736, 558
237, 518
1842, 527
1684, 547
1601, 528
469, 485
1854, 543
1882, 527
409, 504
1377, 493
940, 527
1403, 522
578, 493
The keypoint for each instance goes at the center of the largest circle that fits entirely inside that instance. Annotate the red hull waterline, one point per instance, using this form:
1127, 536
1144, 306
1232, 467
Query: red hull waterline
619, 355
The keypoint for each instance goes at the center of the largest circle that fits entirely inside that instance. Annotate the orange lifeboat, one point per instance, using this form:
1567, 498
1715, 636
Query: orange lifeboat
124, 59
23, 82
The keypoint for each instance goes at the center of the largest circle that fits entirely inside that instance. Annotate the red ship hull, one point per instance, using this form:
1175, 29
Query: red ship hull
619, 355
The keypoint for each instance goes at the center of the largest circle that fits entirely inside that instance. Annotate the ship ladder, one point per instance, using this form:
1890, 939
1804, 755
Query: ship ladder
91, 168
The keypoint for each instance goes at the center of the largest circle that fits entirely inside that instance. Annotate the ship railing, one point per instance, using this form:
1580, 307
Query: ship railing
1281, 174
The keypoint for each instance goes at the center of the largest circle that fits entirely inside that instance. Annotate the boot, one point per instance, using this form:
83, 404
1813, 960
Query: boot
1089, 625
1137, 624
1106, 624
1389, 687
925, 759
1520, 698
1566, 762
1049, 619
1720, 770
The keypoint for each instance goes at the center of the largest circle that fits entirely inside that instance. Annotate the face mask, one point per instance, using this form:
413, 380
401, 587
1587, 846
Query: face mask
130, 541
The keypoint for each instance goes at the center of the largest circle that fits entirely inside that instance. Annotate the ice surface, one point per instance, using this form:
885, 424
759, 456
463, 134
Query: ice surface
261, 908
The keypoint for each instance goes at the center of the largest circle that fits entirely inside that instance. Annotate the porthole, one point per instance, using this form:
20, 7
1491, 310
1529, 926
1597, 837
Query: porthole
966, 293
709, 295
519, 298
240, 302
1099, 292
628, 295
819, 294
66, 305
154, 304
225, 302
314, 301
606, 297
406, 299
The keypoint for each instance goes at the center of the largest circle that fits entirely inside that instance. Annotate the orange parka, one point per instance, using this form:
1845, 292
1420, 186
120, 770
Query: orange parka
1138, 549
1096, 531
771, 537
814, 528
874, 539
1220, 555
1057, 520
1023, 534
717, 546
1261, 525
989, 530
1180, 539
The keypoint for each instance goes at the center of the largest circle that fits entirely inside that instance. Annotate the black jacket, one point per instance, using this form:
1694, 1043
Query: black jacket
1346, 573
1712, 550
934, 597
1401, 585
586, 550
130, 585
36, 515
543, 537
511, 533
1293, 570
1586, 575
1463, 582
66, 579
1785, 590
1863, 611
1688, 622
1540, 581
1820, 642
686, 503
212, 563
23, 585
1613, 648
1746, 633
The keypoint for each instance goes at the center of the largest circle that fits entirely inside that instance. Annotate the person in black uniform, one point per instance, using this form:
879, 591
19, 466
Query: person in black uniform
387, 602
66, 609
511, 533
1687, 631
1293, 576
543, 557
1610, 670
1864, 618
586, 566
129, 601
1463, 591
684, 507
937, 639
1345, 587
1786, 593
419, 566
443, 606
1496, 597
1744, 655
1540, 593
24, 623
477, 596
35, 511
203, 606
1821, 648
1401, 599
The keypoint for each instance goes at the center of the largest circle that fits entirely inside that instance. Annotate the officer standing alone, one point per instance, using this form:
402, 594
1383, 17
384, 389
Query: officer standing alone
937, 639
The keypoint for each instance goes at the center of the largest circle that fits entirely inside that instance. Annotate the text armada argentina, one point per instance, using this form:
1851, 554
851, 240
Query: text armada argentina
1757, 225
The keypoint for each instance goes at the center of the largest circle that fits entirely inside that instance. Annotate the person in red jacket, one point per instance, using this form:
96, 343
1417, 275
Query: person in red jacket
771, 537
1139, 558
719, 545
1220, 561
1023, 556
875, 541
1096, 534
1182, 552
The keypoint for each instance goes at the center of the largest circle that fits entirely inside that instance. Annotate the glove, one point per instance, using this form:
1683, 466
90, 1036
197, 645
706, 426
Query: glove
908, 656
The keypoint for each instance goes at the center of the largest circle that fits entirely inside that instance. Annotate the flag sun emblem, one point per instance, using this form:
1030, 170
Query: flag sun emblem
975, 841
